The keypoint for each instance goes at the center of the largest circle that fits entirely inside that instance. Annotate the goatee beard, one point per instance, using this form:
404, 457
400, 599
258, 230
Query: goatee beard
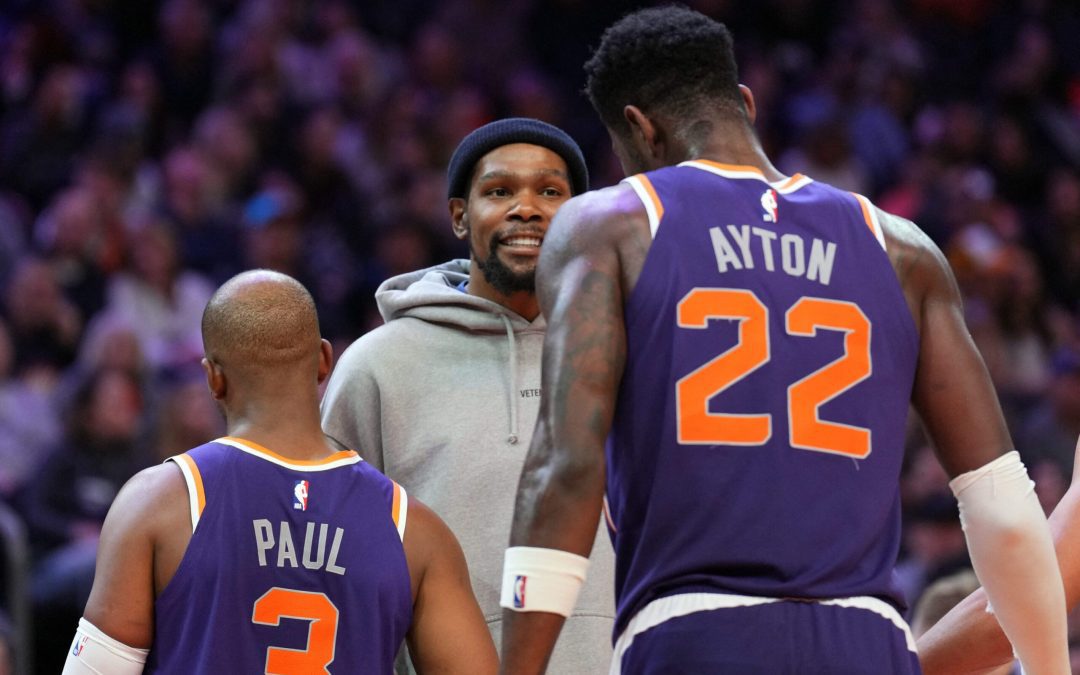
503, 279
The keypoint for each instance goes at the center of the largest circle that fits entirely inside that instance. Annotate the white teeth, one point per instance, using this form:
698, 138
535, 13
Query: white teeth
523, 241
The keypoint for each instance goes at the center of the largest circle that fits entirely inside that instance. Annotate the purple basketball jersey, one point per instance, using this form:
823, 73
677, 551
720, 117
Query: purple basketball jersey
293, 567
758, 437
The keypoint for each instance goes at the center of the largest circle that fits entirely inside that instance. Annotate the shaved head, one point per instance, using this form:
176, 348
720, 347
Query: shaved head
259, 322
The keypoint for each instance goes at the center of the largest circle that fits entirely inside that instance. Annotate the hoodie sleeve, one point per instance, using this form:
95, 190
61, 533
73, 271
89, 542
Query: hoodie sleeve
352, 405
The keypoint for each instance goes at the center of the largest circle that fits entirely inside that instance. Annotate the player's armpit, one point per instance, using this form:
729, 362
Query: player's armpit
121, 602
448, 634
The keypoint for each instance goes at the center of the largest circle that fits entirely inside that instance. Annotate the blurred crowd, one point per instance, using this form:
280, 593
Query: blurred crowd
150, 150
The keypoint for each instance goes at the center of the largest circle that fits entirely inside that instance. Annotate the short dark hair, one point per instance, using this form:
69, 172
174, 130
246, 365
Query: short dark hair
666, 59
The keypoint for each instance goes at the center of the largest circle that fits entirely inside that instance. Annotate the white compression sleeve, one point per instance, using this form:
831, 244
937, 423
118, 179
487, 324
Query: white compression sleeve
1013, 556
95, 653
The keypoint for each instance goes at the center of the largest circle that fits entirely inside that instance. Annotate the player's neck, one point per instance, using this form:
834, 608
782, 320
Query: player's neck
734, 146
292, 431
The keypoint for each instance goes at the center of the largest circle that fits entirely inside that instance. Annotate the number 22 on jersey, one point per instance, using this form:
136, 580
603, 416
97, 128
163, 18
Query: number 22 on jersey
696, 425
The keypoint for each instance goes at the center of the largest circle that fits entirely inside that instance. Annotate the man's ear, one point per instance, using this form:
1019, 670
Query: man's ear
326, 360
459, 221
215, 379
644, 133
748, 102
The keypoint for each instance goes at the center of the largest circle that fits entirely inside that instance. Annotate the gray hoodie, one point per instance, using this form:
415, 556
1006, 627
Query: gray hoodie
443, 399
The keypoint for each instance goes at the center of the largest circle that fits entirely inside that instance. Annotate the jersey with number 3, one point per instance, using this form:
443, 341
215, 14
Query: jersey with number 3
293, 568
759, 429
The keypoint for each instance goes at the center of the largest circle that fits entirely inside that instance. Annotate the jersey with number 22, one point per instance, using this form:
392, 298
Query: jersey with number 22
759, 428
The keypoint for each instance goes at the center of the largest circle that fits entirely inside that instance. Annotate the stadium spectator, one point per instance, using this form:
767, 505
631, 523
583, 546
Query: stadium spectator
65, 503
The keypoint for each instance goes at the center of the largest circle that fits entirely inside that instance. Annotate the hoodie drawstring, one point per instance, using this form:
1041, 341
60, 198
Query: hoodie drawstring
513, 438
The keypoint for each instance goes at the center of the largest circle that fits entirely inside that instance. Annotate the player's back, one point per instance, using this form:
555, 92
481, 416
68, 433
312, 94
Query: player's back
758, 436
292, 567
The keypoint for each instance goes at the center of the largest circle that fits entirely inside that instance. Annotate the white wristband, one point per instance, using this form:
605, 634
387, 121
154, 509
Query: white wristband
93, 652
542, 580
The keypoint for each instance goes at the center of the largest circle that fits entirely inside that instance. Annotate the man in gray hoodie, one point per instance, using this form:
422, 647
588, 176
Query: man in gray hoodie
443, 398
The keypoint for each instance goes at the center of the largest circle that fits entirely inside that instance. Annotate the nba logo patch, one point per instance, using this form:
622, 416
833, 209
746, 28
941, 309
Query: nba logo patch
519, 591
768, 202
300, 495
79, 645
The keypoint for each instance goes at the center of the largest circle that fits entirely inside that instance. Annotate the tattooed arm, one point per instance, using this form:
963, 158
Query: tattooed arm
590, 258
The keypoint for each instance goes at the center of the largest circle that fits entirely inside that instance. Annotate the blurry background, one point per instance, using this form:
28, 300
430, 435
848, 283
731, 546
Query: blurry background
150, 150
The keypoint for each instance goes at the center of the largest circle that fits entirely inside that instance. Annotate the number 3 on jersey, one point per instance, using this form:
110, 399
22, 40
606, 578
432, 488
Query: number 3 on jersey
278, 603
696, 425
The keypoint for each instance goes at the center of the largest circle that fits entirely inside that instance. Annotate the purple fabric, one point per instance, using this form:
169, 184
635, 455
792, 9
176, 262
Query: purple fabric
205, 615
792, 638
764, 519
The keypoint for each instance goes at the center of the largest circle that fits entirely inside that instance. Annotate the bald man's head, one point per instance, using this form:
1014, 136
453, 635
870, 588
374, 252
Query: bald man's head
259, 321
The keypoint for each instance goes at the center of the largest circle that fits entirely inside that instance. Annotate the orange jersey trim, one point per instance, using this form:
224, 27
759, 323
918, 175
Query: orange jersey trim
399, 509
870, 218
740, 171
865, 212
395, 508
738, 168
731, 167
646, 193
790, 182
653, 197
255, 447
200, 493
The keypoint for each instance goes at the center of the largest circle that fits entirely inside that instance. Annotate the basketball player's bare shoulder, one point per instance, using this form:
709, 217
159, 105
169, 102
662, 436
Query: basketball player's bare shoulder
153, 506
150, 501
604, 213
920, 265
607, 225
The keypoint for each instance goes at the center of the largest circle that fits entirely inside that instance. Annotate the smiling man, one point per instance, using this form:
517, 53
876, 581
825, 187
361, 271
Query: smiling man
443, 398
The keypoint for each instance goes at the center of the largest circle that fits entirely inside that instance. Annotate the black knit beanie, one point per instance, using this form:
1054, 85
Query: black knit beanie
514, 130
